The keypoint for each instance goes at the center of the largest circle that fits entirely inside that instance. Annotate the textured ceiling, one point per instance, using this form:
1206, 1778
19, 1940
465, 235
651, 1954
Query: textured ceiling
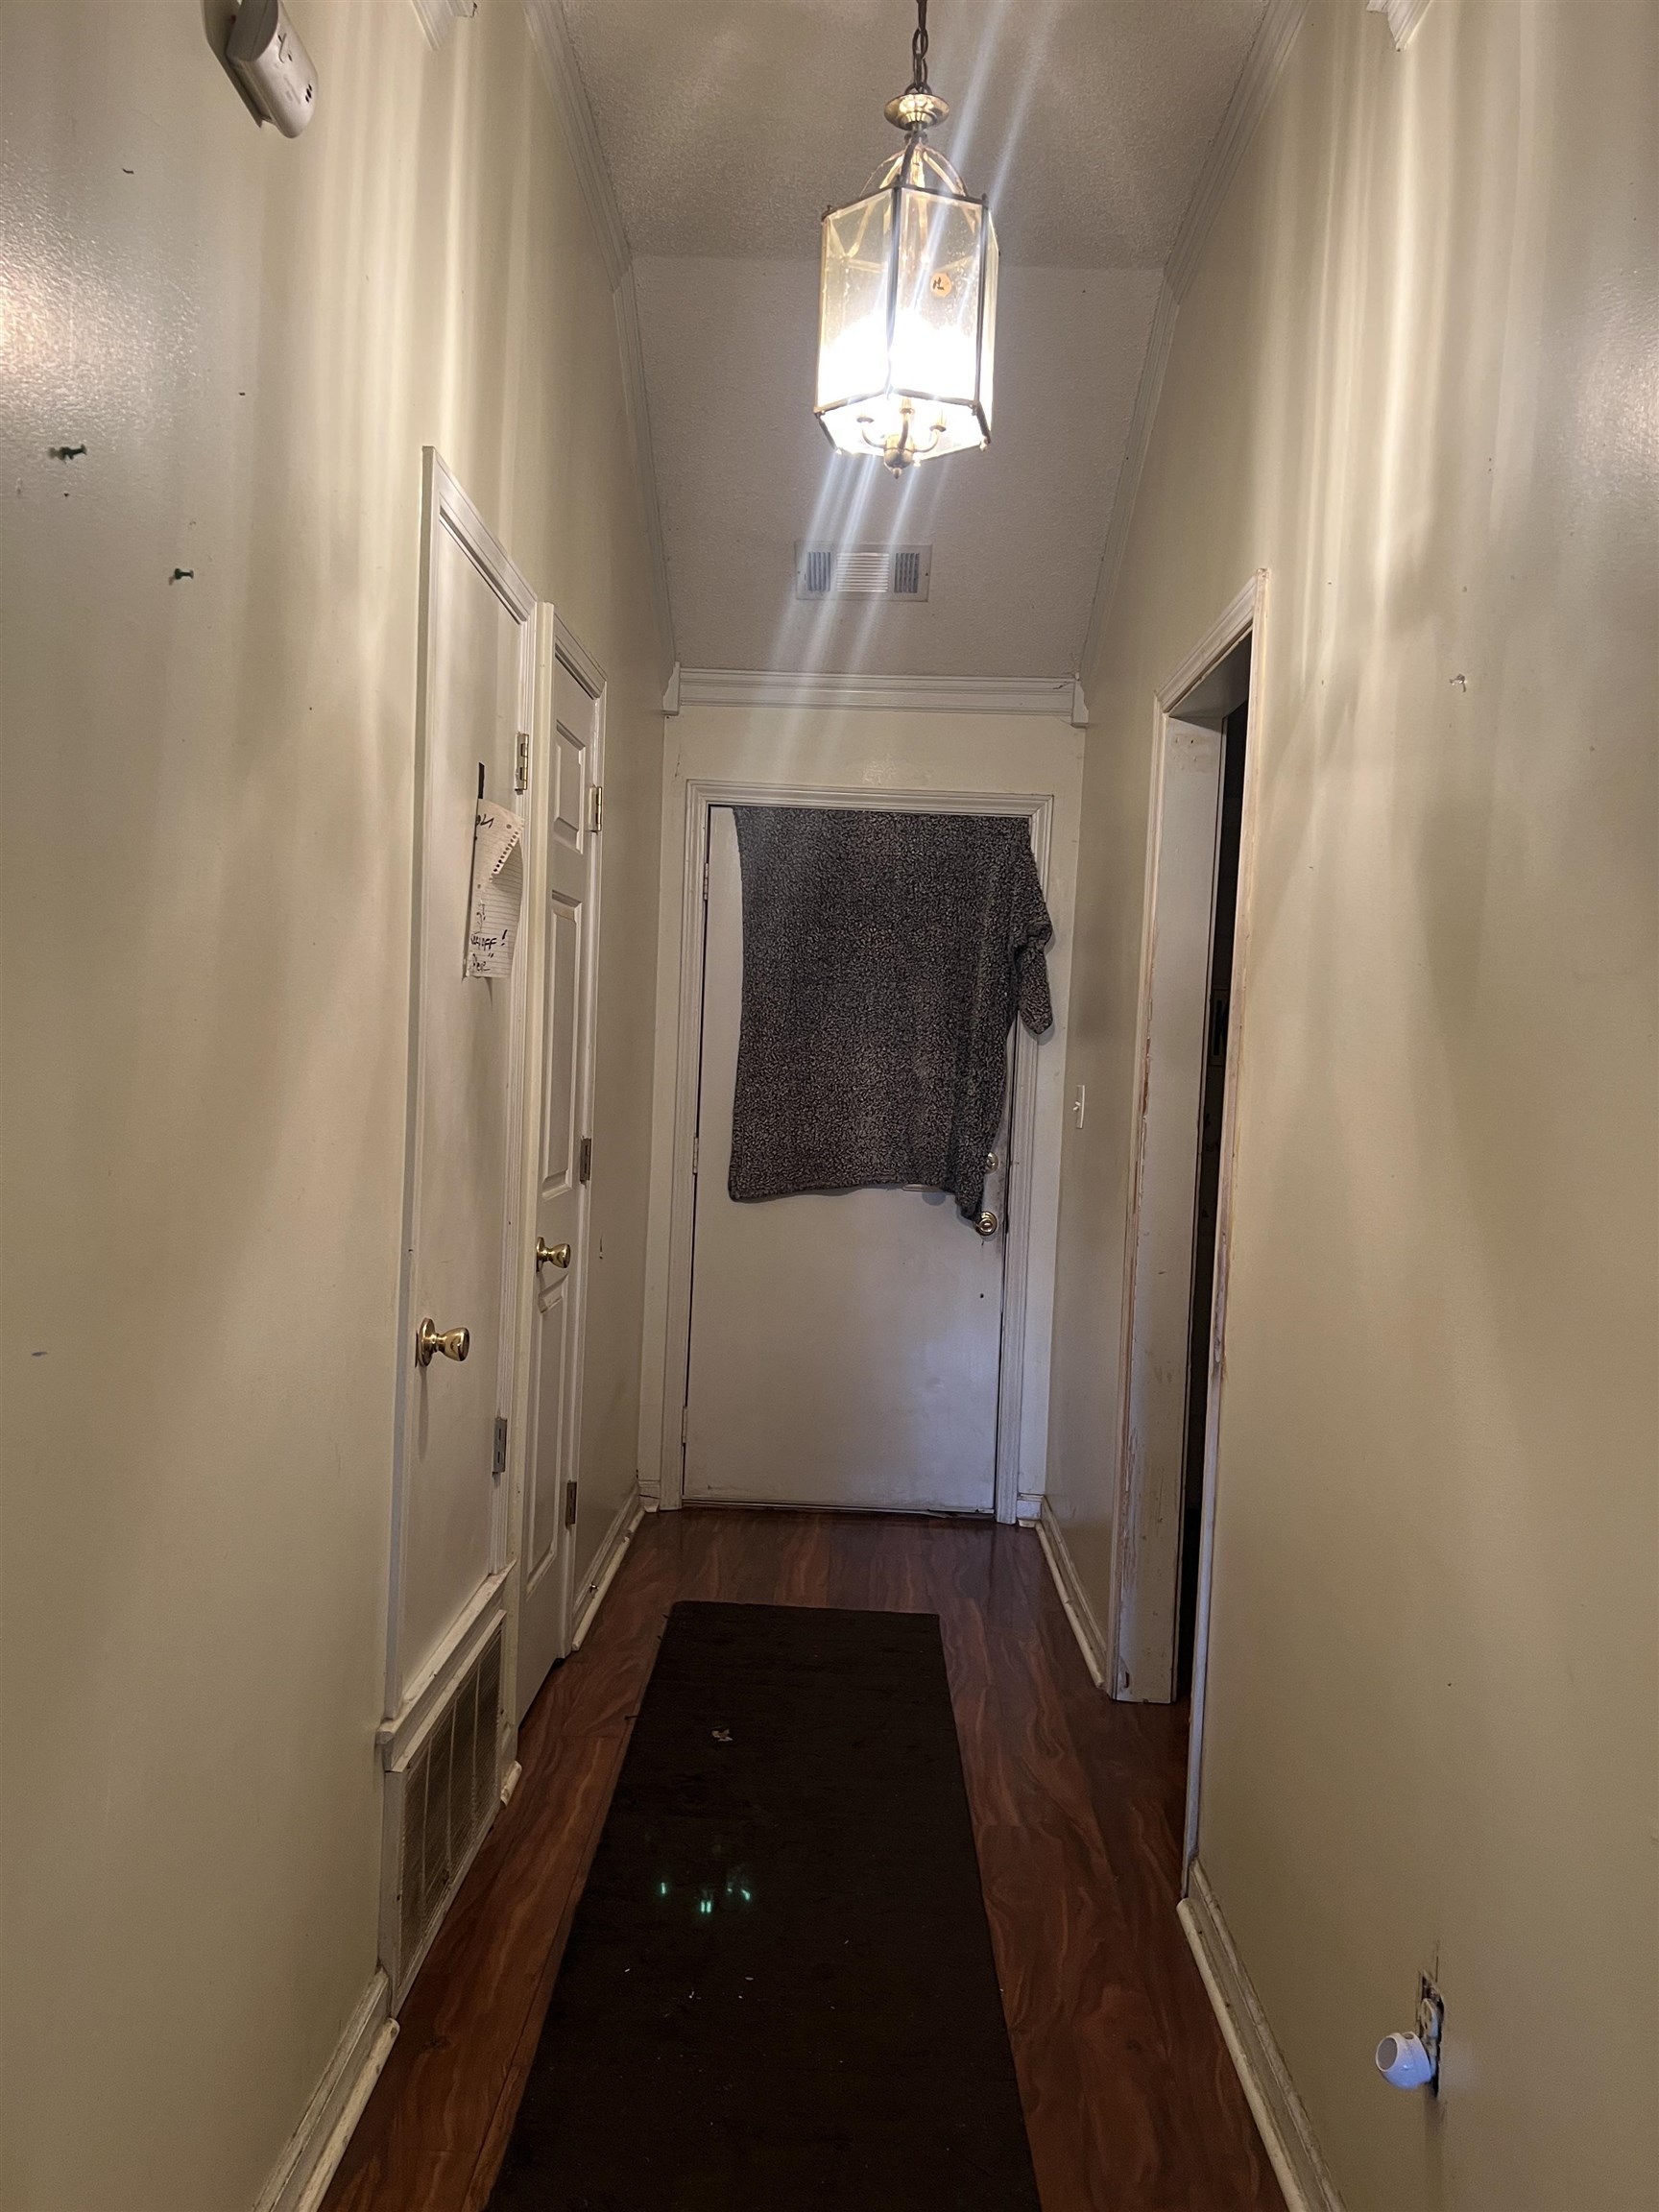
728, 127
1017, 530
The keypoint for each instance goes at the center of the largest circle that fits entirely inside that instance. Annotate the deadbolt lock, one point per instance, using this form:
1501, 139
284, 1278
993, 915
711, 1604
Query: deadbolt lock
557, 1254
430, 1339
987, 1224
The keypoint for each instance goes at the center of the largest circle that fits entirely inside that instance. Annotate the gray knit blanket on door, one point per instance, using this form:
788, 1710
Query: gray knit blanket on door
885, 956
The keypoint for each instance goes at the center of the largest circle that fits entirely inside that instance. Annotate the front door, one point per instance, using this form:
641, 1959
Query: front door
559, 1255
844, 1346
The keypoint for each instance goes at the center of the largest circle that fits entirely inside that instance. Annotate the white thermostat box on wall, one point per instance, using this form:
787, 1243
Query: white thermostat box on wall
265, 54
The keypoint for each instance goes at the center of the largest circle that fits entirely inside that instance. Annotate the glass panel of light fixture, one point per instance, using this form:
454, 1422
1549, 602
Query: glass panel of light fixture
927, 167
852, 307
936, 326
987, 321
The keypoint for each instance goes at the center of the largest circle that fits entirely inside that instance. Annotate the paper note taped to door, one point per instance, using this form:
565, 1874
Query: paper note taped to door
498, 890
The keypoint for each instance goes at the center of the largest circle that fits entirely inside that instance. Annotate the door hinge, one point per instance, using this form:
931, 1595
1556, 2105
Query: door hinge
685, 1424
696, 1152
595, 807
569, 1504
585, 1162
705, 882
498, 1464
522, 763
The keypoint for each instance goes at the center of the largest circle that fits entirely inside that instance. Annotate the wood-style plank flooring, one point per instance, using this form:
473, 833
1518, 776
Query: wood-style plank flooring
1131, 2102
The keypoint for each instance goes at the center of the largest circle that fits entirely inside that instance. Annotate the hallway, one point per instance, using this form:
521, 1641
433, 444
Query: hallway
843, 806
1129, 2095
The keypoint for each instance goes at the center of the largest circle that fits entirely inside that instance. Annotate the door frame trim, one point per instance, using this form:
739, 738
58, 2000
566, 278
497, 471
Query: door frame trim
555, 642
445, 507
702, 796
1245, 616
591, 678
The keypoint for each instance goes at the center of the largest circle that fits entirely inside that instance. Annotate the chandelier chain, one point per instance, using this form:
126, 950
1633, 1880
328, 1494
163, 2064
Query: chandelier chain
919, 50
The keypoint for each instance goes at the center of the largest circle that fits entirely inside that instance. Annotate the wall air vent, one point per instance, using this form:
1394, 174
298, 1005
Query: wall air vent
863, 571
444, 1795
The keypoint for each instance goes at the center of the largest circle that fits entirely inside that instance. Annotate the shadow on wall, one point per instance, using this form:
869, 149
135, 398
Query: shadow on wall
214, 659
1413, 379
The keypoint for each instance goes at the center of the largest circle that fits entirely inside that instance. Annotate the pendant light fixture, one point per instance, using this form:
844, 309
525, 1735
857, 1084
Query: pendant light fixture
907, 300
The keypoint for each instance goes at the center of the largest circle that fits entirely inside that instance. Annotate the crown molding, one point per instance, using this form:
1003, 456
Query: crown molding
550, 37
625, 300
1158, 341
438, 18
1404, 16
750, 687
1264, 66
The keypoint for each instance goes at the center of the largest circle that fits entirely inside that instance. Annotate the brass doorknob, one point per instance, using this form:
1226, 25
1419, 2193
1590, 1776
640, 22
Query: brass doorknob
987, 1224
453, 1343
558, 1254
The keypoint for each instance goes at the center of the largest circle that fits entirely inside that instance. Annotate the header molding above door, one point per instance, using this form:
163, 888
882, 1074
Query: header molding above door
912, 694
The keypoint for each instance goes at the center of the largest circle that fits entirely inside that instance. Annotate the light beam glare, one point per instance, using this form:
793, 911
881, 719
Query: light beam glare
1006, 50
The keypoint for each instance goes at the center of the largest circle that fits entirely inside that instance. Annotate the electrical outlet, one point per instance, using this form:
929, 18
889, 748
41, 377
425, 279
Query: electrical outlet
1430, 2025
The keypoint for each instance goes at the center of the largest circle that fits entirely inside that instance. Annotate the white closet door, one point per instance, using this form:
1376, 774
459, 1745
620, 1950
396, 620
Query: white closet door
844, 1346
469, 1034
556, 1525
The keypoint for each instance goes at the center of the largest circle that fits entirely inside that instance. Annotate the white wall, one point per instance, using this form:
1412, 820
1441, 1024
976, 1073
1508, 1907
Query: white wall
207, 829
860, 749
1413, 379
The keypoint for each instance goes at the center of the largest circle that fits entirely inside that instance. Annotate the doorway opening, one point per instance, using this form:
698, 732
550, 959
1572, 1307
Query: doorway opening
1176, 1256
1212, 1118
787, 1382
846, 1345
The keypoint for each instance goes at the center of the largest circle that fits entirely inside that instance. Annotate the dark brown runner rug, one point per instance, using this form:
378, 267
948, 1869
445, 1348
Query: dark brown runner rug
778, 1990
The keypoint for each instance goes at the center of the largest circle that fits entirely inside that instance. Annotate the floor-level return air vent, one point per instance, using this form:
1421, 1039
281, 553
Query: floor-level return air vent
444, 1790
863, 571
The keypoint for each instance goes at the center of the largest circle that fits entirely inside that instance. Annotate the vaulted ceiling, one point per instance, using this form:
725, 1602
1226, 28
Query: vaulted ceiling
728, 126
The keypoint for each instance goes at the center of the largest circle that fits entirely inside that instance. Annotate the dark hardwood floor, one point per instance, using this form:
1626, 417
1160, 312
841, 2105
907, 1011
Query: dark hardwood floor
1131, 2102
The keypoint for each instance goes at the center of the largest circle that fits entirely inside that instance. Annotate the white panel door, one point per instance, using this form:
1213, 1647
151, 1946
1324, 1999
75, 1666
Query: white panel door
844, 1344
477, 686
557, 1254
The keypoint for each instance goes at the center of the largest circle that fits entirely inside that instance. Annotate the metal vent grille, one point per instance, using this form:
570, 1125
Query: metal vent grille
449, 1794
818, 572
863, 571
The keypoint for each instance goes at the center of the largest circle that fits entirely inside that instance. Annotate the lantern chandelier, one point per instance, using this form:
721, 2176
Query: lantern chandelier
907, 300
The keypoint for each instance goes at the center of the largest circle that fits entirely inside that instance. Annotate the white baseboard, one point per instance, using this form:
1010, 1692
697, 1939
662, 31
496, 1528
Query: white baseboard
617, 1538
1078, 1610
1279, 2113
314, 2151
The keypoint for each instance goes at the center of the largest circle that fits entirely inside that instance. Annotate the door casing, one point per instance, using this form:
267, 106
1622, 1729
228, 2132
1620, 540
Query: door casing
701, 797
1146, 1516
446, 508
555, 643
